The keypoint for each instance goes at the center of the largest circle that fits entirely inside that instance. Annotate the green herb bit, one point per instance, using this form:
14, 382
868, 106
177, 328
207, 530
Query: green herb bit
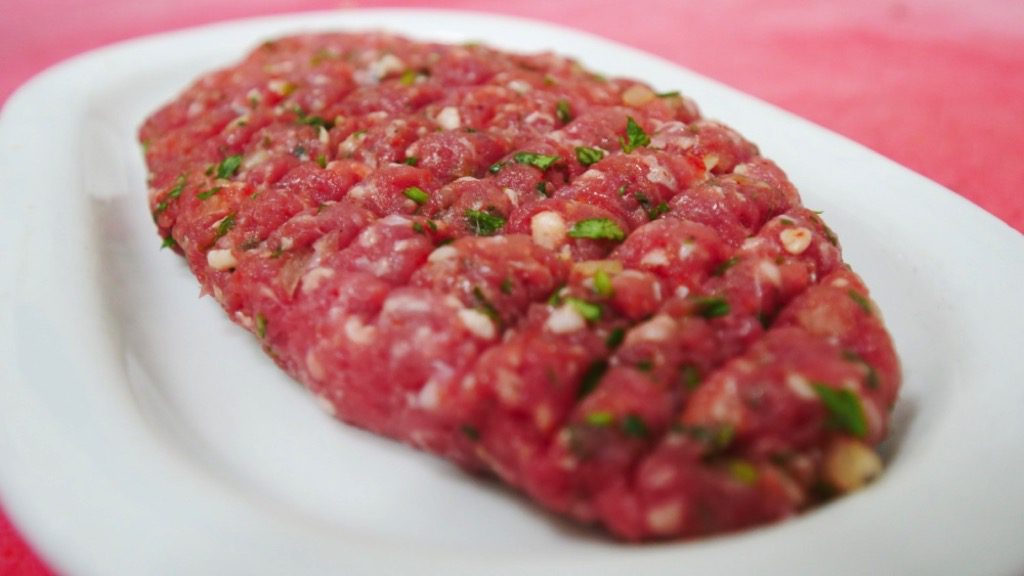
634, 426
646, 365
671, 94
743, 472
506, 286
299, 151
556, 297
657, 211
485, 306
470, 432
169, 242
408, 77
179, 187
844, 409
484, 223
721, 268
321, 161
615, 338
597, 229
496, 167
261, 326
206, 195
601, 419
417, 227
417, 195
590, 311
711, 306
563, 112
541, 161
603, 284
786, 221
228, 166
715, 437
225, 225
312, 120
689, 375
591, 378
542, 188
160, 208
635, 136
861, 301
588, 156
411, 161
872, 379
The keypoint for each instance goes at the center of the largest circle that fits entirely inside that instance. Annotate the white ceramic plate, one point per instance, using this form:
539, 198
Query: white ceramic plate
142, 433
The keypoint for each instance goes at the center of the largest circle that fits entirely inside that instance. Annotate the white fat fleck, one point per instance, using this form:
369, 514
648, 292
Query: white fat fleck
403, 245
369, 237
287, 242
768, 270
538, 117
564, 320
741, 169
312, 279
395, 220
722, 409
221, 259
241, 120
656, 329
379, 68
313, 366
406, 303
255, 159
665, 519
478, 323
751, 244
280, 87
799, 385
448, 118
195, 108
656, 257
282, 67
657, 173
429, 397
795, 240
253, 96
686, 249
682, 291
349, 146
323, 136
710, 161
443, 253
519, 86
326, 405
358, 332
512, 196
840, 282
360, 190
548, 229
507, 385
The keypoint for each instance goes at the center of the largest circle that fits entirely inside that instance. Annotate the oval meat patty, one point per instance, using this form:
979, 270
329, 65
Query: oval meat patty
570, 282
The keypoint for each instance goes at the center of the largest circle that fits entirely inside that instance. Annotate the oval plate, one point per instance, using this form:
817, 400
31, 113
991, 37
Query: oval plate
142, 433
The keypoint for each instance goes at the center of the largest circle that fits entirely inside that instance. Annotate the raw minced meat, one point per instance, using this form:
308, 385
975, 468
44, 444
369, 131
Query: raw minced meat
573, 283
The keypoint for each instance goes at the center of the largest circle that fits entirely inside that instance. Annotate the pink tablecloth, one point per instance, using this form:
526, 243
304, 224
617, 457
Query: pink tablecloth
936, 85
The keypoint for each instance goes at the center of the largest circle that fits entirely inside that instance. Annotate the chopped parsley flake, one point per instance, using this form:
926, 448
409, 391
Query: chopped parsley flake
206, 195
563, 112
589, 310
635, 136
169, 242
597, 229
634, 426
657, 211
844, 409
542, 188
591, 378
311, 120
671, 94
299, 151
484, 223
615, 338
470, 432
861, 301
485, 306
721, 268
600, 419
743, 472
711, 306
603, 284
228, 166
645, 365
179, 186
408, 77
225, 225
588, 156
417, 195
496, 167
542, 161
261, 325
321, 161
506, 286
689, 375
411, 161
715, 437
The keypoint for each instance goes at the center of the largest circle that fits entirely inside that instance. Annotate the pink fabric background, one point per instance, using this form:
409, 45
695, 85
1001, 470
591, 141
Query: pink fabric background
937, 85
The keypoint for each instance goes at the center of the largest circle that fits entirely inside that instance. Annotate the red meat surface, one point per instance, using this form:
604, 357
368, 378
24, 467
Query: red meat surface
563, 280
